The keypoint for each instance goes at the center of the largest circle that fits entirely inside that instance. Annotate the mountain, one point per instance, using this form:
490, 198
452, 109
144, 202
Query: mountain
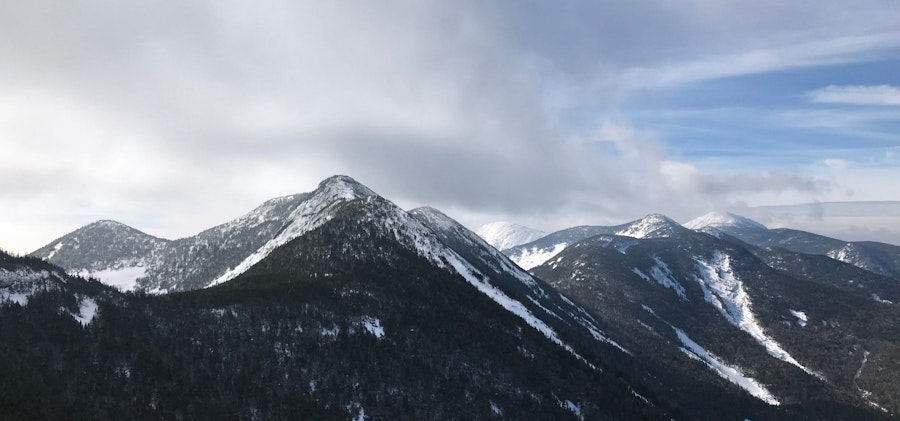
537, 252
820, 268
338, 304
23, 278
703, 313
108, 250
725, 221
504, 235
354, 308
880, 258
650, 226
517, 284
127, 258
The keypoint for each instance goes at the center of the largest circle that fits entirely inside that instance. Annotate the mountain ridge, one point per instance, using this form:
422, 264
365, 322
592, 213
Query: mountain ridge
725, 315
880, 258
211, 256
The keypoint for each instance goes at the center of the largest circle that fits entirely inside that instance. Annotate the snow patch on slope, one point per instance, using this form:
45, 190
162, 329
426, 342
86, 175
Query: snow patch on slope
123, 279
801, 317
867, 395
572, 407
878, 299
373, 326
661, 273
87, 309
53, 252
732, 374
531, 258
504, 235
726, 293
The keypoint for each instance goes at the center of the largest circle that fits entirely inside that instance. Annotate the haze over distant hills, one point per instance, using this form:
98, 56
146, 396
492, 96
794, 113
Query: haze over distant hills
850, 221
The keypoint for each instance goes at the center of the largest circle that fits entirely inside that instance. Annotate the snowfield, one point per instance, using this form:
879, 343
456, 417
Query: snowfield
87, 309
726, 293
124, 279
531, 258
505, 235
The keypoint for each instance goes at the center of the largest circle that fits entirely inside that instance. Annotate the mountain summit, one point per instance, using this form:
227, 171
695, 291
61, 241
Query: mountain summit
504, 235
722, 220
651, 226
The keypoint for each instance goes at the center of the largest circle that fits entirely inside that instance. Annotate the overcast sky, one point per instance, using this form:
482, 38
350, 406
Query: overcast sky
175, 116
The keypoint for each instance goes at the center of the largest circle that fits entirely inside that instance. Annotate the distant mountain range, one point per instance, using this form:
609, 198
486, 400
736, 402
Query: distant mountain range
338, 304
880, 258
647, 278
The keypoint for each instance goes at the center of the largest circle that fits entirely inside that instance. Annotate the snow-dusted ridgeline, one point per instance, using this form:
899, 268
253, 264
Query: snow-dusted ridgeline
311, 214
411, 232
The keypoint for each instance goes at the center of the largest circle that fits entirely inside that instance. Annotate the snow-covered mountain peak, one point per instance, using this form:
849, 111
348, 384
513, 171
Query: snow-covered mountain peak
106, 223
107, 227
505, 235
651, 226
723, 220
343, 187
315, 209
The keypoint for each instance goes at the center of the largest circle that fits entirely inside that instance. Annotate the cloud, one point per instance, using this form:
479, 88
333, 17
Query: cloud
850, 221
860, 123
774, 57
686, 178
836, 163
856, 95
175, 116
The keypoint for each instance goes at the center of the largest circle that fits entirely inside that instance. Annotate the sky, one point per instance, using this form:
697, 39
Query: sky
173, 117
